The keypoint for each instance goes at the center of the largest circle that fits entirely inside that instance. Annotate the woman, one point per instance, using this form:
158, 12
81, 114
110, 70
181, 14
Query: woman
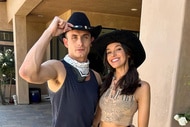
123, 92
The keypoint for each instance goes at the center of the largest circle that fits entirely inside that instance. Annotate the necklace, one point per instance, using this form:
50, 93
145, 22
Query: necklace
113, 87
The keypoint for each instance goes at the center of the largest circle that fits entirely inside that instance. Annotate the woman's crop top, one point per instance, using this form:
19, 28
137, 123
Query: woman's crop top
116, 108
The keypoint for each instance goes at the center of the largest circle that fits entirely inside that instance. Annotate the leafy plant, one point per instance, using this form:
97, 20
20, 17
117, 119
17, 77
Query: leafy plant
182, 118
7, 68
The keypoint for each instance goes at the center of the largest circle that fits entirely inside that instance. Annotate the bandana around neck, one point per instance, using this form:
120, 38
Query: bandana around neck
83, 68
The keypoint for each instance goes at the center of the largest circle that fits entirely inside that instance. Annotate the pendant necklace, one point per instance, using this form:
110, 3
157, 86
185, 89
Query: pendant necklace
114, 87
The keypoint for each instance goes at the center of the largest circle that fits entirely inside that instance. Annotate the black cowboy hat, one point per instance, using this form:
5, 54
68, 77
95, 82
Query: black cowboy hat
81, 22
124, 37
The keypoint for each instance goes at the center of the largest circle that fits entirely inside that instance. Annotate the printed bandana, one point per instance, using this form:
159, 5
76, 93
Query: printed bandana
83, 68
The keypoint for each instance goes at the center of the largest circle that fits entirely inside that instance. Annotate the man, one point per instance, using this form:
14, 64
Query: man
73, 87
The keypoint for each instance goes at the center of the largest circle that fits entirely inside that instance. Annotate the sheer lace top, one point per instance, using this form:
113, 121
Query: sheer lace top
116, 108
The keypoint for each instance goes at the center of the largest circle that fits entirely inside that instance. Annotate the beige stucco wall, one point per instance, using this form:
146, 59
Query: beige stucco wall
164, 38
181, 101
6, 89
34, 31
4, 25
12, 7
20, 7
165, 33
17, 12
114, 21
108, 20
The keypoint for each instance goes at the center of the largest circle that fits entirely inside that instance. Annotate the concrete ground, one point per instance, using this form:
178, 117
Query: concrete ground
32, 115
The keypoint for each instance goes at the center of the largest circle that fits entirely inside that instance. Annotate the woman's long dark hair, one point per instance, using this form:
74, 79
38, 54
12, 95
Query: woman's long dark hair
129, 82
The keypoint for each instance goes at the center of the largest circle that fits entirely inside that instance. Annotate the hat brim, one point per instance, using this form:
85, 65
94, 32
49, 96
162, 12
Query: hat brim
124, 37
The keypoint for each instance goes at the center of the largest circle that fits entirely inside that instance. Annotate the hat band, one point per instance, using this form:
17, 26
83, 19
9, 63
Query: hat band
81, 27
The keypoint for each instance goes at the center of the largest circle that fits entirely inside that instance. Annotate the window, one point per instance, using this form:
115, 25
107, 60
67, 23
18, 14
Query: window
6, 36
5, 47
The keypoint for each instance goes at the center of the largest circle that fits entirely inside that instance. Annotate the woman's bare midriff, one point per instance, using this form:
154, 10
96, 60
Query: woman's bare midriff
108, 124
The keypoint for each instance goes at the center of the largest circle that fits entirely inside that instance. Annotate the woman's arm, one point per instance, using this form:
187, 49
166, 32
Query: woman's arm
97, 117
143, 96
